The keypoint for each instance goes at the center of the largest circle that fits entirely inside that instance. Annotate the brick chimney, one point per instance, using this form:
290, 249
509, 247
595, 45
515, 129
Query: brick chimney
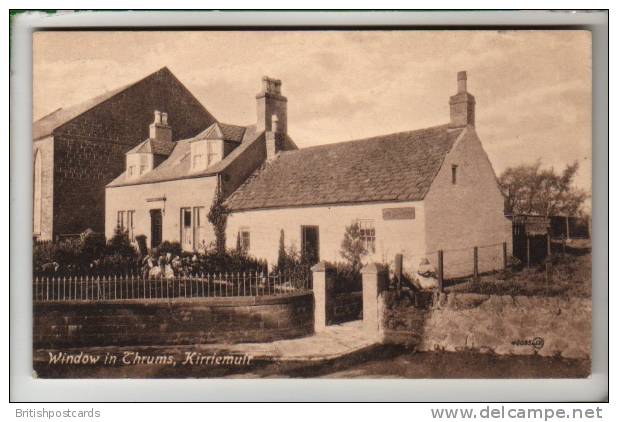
160, 129
271, 103
462, 104
274, 139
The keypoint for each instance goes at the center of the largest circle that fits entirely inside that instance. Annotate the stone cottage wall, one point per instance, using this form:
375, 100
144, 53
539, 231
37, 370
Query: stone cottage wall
194, 192
89, 150
468, 213
393, 236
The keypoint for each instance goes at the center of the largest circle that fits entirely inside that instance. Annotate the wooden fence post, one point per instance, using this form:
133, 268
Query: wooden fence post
440, 271
476, 264
504, 257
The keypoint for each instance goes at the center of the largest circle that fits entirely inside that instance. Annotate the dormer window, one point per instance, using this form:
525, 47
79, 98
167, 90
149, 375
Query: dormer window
198, 161
214, 151
205, 153
145, 156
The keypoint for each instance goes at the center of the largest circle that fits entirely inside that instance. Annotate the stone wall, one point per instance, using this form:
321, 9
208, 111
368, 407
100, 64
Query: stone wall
179, 321
89, 149
505, 325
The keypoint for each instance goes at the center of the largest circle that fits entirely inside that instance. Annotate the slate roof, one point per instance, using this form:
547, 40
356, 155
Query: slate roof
223, 131
153, 146
178, 164
396, 167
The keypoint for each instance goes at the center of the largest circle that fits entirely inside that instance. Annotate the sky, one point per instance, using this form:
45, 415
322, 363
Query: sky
532, 88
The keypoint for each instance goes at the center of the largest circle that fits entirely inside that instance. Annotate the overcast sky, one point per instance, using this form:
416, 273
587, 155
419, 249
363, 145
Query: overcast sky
532, 88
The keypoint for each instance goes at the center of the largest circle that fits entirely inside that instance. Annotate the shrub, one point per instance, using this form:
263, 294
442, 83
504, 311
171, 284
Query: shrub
120, 244
352, 247
347, 277
217, 216
173, 248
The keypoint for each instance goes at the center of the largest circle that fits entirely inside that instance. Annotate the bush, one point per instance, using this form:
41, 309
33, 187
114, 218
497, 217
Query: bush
173, 248
352, 247
120, 244
347, 277
88, 254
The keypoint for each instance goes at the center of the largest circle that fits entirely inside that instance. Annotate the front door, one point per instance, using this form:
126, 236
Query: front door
156, 228
310, 247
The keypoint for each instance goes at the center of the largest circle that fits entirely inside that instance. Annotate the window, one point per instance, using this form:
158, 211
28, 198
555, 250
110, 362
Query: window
125, 221
131, 170
197, 161
129, 225
199, 228
142, 169
367, 234
454, 174
213, 154
120, 220
36, 223
245, 239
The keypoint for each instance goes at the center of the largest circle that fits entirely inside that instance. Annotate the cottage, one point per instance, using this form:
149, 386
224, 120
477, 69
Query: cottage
168, 187
80, 149
413, 192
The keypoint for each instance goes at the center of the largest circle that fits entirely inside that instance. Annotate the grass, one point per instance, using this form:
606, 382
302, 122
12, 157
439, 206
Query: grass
571, 276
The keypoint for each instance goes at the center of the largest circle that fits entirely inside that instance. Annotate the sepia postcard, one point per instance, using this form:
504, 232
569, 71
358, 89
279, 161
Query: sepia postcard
311, 204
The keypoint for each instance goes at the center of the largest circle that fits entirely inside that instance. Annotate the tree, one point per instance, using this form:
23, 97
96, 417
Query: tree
217, 216
352, 247
530, 189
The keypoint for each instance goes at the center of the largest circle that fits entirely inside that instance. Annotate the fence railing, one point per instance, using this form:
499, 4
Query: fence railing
51, 289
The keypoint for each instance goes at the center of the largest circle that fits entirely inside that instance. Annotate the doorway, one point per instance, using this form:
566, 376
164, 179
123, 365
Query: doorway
156, 228
310, 245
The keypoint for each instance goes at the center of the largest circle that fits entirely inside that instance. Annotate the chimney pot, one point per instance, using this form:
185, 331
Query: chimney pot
462, 78
462, 104
159, 129
271, 103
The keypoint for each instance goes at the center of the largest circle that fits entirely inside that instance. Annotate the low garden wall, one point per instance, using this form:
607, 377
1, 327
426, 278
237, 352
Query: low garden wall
175, 321
505, 325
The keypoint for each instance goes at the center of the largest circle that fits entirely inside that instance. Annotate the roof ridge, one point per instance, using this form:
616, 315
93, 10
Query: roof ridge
370, 138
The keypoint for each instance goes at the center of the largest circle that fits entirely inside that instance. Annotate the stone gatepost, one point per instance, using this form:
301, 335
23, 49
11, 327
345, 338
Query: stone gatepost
322, 295
375, 281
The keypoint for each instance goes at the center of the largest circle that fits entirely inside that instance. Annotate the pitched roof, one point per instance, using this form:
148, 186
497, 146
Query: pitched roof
395, 167
223, 131
46, 124
178, 164
153, 146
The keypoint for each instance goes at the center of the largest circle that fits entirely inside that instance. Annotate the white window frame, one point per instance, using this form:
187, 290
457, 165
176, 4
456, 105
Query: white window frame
368, 234
245, 244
